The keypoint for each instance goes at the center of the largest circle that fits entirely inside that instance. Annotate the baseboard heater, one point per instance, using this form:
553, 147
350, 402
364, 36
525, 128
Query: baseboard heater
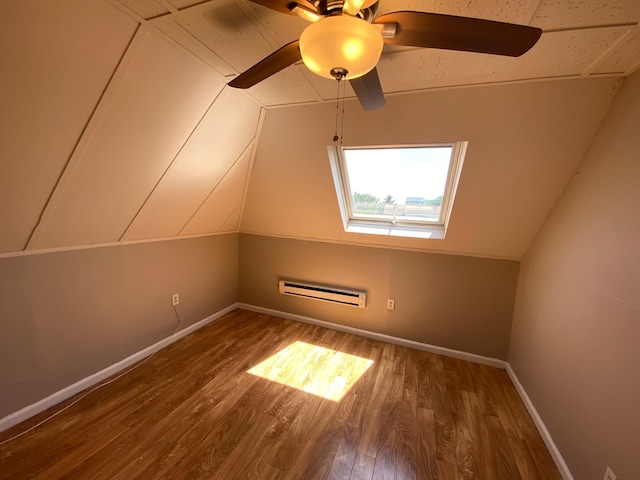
354, 298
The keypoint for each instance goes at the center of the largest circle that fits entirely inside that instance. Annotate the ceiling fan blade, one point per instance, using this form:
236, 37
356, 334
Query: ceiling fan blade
433, 30
283, 6
278, 60
369, 90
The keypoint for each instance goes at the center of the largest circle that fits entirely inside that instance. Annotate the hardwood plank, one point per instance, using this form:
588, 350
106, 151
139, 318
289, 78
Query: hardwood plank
193, 411
306, 408
376, 412
251, 456
447, 471
524, 460
363, 390
426, 467
505, 464
407, 441
315, 454
387, 440
543, 460
362, 467
345, 458
466, 450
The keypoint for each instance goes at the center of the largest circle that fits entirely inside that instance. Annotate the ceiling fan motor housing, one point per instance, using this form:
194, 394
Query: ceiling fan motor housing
327, 8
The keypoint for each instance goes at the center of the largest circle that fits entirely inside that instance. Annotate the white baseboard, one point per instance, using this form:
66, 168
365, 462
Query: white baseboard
471, 357
544, 433
67, 392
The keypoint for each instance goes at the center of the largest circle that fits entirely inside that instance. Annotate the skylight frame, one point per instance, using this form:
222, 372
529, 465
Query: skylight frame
395, 226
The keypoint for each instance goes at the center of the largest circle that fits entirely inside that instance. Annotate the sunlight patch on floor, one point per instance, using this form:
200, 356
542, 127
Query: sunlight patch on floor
313, 369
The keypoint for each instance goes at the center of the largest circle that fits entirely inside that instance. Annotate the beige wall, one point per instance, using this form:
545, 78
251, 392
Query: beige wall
457, 302
575, 344
70, 314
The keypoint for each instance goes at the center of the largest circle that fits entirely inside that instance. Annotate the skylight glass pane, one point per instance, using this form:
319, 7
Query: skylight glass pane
400, 184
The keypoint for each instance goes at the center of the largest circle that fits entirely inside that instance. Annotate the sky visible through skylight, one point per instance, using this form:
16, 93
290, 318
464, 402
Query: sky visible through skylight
399, 172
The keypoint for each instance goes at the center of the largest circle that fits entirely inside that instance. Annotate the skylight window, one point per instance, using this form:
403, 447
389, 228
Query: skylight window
399, 191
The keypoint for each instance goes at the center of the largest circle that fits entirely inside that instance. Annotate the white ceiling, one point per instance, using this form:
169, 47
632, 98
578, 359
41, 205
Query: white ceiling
581, 38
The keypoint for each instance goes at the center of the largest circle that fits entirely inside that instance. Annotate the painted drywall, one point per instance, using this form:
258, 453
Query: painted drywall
525, 141
67, 315
576, 327
452, 301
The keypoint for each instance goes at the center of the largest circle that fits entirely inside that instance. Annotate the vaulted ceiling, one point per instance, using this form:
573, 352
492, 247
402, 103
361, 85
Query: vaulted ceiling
117, 124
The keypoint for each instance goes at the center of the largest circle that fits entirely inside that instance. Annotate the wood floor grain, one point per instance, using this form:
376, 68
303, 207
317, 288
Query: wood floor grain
193, 411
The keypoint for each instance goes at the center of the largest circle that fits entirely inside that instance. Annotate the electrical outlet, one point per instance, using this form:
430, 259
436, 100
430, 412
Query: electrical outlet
609, 475
175, 299
391, 304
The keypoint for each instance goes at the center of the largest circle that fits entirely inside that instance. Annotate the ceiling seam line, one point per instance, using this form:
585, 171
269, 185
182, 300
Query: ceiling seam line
170, 8
608, 53
80, 137
127, 11
591, 27
170, 164
201, 43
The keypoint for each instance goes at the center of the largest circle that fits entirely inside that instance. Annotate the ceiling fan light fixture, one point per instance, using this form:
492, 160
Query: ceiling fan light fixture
341, 41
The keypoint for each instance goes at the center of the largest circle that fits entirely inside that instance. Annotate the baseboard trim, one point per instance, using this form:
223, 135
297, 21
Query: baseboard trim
471, 357
542, 429
67, 392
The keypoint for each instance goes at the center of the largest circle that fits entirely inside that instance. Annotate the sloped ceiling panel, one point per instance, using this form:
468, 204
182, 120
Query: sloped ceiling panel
223, 26
568, 52
224, 202
525, 142
57, 58
625, 59
561, 14
215, 145
152, 105
145, 8
513, 11
420, 68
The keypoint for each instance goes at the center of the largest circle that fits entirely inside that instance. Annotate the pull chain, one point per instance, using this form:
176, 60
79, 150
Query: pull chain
339, 74
344, 92
335, 135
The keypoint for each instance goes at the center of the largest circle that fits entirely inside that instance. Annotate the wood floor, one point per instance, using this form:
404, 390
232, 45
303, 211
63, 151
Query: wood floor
192, 411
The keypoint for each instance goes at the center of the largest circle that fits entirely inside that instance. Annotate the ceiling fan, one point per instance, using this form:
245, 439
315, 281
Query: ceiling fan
345, 40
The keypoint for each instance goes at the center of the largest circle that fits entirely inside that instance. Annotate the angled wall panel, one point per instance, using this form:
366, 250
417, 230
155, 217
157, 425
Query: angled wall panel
154, 102
216, 144
233, 222
57, 59
223, 203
